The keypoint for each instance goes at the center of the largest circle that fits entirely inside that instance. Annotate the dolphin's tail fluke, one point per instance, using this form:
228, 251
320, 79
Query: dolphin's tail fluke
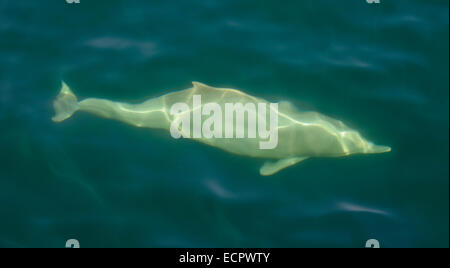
65, 105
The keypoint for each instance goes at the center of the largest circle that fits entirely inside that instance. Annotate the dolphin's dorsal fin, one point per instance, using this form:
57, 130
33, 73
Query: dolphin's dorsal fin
201, 85
270, 168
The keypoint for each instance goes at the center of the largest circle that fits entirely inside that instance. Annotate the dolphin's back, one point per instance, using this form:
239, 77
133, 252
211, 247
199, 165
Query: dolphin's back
209, 94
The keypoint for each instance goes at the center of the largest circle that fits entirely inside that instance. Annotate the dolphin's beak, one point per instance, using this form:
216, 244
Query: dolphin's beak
377, 149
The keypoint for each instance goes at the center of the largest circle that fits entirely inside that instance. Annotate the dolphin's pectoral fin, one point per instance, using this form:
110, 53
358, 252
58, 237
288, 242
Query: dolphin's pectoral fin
270, 168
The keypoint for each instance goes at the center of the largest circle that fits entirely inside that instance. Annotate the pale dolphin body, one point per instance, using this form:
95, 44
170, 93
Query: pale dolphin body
301, 135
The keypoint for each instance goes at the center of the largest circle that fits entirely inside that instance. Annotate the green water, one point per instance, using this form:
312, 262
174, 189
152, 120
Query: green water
381, 68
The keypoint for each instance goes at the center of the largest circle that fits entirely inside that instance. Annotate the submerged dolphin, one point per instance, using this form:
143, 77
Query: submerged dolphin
301, 134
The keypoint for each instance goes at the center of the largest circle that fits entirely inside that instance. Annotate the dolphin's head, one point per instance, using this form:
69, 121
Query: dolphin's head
377, 149
353, 143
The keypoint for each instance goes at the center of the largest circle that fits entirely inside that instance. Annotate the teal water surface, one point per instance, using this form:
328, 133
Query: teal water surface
380, 68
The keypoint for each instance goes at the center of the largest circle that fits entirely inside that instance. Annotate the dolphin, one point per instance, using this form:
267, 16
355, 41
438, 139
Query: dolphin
301, 134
